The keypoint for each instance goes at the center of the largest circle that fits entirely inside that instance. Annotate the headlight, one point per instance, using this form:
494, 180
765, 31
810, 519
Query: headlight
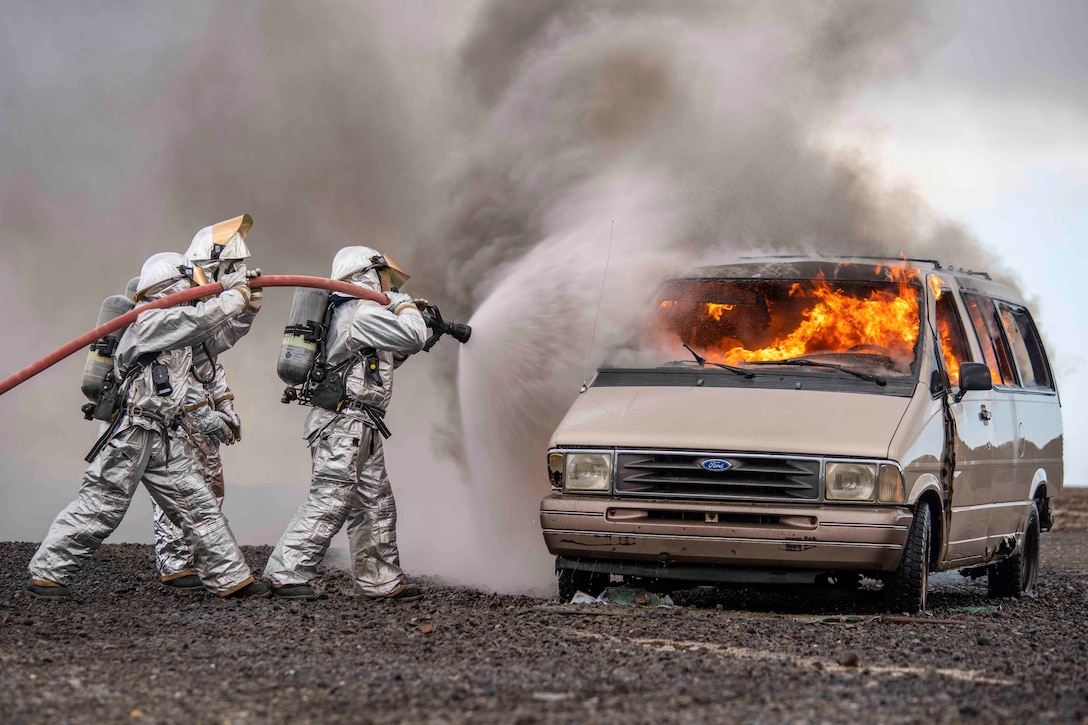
890, 488
555, 469
588, 472
850, 481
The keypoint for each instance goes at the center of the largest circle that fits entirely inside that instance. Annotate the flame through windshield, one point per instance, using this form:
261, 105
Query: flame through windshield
870, 322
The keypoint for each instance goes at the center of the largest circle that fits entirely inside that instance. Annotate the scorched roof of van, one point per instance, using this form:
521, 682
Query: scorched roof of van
799, 267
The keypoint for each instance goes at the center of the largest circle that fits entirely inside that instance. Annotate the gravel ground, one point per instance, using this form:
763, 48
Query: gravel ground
128, 651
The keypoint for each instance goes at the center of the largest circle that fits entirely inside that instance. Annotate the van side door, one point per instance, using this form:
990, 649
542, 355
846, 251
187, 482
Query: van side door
968, 523
998, 412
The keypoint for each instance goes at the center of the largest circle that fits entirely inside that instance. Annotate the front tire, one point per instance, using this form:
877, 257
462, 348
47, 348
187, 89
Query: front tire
1017, 574
906, 589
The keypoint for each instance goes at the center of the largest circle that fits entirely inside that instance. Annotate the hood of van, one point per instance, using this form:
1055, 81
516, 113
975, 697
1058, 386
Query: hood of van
731, 419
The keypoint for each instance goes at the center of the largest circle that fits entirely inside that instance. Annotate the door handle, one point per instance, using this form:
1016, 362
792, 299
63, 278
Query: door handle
984, 415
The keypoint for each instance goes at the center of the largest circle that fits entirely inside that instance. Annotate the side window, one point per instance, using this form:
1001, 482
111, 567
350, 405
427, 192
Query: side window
1027, 348
984, 318
953, 342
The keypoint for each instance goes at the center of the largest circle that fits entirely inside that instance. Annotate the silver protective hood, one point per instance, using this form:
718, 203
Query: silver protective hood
350, 260
159, 271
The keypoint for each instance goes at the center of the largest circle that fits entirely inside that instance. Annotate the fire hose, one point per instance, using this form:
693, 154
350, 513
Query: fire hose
272, 280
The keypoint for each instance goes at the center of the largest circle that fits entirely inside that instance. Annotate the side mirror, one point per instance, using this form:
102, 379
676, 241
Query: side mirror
974, 376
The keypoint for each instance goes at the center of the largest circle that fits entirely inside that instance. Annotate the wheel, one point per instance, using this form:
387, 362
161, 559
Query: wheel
572, 581
1017, 574
905, 590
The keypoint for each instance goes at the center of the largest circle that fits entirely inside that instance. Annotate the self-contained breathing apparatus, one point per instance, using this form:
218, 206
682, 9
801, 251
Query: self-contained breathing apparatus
303, 362
110, 406
100, 383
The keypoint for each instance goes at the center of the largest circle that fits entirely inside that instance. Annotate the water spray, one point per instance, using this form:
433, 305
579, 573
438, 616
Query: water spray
597, 314
459, 332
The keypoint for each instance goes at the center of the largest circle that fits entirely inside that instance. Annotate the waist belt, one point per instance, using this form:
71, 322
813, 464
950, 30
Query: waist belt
134, 410
373, 412
131, 411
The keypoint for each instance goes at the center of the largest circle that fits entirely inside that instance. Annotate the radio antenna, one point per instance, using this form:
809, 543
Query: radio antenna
593, 337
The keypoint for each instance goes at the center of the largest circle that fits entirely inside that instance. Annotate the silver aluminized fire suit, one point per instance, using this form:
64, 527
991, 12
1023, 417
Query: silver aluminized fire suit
349, 481
173, 554
142, 448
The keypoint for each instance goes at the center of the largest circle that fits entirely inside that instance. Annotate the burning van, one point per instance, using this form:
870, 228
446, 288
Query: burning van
803, 421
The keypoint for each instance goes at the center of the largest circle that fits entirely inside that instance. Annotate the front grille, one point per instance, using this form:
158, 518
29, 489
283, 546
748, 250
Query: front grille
668, 474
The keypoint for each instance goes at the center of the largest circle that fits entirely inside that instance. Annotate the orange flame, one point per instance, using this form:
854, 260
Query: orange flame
944, 330
951, 362
937, 286
716, 310
884, 321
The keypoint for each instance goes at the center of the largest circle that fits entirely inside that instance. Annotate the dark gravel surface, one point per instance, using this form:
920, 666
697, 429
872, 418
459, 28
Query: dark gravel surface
128, 651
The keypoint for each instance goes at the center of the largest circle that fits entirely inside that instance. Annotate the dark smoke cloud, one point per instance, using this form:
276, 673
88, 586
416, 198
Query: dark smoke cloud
489, 150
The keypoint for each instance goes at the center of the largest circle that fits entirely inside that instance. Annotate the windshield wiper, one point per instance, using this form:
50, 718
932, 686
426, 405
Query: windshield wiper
805, 362
703, 362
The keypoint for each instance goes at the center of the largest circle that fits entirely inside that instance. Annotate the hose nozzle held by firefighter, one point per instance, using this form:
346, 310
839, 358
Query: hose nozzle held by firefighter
440, 327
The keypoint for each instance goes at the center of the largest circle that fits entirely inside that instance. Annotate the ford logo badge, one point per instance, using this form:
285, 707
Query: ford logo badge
715, 464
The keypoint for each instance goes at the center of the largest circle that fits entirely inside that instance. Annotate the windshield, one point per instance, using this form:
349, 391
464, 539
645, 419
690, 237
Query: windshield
810, 324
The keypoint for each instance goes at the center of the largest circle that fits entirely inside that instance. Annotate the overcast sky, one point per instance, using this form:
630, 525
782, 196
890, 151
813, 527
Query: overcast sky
125, 127
993, 132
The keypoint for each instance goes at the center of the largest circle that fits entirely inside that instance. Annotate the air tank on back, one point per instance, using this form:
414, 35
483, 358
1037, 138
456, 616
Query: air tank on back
130, 288
100, 358
299, 341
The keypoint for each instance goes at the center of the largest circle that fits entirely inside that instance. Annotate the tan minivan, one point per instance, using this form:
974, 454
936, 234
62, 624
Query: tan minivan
795, 420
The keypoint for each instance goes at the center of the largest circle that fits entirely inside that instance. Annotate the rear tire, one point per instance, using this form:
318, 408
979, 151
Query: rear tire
1017, 574
906, 589
572, 581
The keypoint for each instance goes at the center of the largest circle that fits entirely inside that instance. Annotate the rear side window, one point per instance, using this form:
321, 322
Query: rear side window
1027, 348
988, 328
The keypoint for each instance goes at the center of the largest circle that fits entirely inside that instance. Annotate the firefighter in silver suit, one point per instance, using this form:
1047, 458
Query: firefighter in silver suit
366, 341
151, 367
215, 250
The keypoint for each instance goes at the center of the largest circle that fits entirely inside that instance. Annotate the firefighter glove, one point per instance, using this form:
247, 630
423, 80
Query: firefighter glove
237, 280
213, 425
398, 302
226, 410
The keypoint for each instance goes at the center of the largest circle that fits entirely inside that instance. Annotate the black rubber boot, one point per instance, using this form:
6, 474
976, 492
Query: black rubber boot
188, 583
294, 591
49, 591
253, 589
404, 594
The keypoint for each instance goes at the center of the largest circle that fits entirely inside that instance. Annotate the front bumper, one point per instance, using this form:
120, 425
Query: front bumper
756, 536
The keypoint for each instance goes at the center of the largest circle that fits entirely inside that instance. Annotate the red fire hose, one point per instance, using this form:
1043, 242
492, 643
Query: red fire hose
272, 280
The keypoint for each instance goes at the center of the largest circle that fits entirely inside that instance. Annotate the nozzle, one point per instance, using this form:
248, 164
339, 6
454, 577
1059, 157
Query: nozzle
458, 332
440, 327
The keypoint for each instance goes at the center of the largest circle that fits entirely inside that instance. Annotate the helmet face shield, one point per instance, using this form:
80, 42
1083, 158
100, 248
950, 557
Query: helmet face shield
165, 289
214, 246
235, 249
392, 275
